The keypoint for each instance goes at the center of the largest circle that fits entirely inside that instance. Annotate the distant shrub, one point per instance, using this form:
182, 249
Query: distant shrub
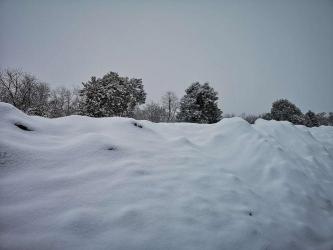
250, 118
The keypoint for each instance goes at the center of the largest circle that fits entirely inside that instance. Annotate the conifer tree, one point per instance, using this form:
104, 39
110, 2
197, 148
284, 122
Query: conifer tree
310, 119
199, 104
284, 110
111, 95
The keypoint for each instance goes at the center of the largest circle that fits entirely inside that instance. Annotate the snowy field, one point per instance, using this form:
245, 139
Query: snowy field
116, 183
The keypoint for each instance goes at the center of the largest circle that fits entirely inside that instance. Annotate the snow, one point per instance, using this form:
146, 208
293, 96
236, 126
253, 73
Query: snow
104, 183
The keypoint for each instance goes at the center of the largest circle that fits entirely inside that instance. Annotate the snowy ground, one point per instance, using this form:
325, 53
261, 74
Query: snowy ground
116, 183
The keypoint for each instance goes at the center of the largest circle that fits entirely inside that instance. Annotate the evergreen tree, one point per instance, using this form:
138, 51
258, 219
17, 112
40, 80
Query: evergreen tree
111, 95
323, 118
199, 105
310, 119
284, 110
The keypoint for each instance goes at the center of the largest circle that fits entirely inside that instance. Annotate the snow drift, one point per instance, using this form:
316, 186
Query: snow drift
116, 183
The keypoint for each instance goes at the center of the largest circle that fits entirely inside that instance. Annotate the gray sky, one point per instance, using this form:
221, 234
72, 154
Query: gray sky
252, 52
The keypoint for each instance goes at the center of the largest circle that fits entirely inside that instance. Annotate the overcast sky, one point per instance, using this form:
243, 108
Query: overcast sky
252, 52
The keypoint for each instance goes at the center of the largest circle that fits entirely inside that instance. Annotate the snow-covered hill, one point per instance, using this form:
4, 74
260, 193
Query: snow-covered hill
116, 183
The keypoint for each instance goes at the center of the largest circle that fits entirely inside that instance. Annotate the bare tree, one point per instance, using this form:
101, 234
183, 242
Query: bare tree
170, 102
40, 100
63, 102
330, 118
152, 112
250, 118
23, 91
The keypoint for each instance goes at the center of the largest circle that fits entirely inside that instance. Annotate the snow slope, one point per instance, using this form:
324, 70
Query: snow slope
117, 183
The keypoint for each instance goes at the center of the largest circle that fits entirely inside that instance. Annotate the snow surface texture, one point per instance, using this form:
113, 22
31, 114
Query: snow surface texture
116, 183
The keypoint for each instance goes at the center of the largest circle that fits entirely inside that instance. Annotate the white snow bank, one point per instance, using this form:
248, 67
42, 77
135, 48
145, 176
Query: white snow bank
117, 183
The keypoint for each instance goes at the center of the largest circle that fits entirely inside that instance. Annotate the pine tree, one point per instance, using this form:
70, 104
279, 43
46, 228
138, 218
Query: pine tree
284, 110
310, 119
323, 118
199, 104
111, 95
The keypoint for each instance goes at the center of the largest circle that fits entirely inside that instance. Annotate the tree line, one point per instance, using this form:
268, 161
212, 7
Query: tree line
35, 97
114, 95
284, 110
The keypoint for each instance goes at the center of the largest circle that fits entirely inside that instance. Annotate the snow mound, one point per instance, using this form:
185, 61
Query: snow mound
116, 183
